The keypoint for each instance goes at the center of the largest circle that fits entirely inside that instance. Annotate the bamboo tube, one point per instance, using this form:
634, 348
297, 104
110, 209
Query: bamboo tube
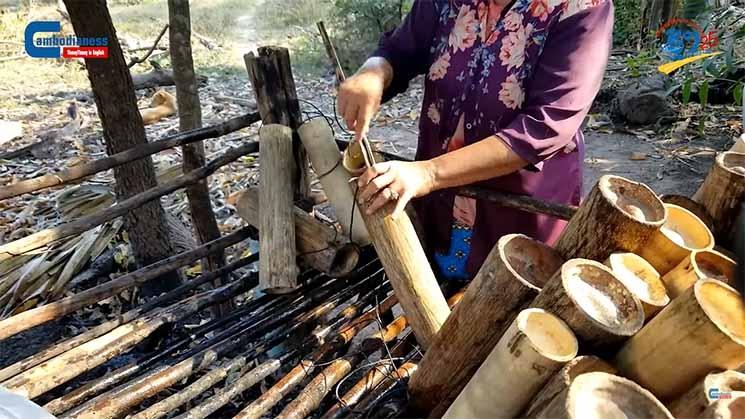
697, 209
532, 349
698, 265
726, 408
681, 234
512, 275
617, 215
367, 383
401, 376
739, 145
325, 156
563, 379
318, 244
277, 268
593, 302
697, 399
723, 191
641, 279
700, 330
598, 395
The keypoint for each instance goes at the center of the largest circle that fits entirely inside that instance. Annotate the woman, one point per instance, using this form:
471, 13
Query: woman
507, 87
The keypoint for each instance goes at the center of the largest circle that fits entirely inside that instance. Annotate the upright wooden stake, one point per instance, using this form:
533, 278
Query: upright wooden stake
723, 191
698, 265
277, 268
641, 279
533, 348
694, 402
701, 330
512, 275
617, 215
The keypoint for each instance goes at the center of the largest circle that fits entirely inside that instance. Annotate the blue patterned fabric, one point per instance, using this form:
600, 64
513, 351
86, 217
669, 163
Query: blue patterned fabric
452, 265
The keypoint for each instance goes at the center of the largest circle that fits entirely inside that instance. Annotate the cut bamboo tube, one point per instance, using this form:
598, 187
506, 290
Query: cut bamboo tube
726, 408
325, 156
318, 244
681, 234
641, 279
532, 349
697, 399
512, 275
593, 302
739, 145
697, 209
277, 268
598, 395
701, 330
563, 379
698, 265
723, 191
617, 215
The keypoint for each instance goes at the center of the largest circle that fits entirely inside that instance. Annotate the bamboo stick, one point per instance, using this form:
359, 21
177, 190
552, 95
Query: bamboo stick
80, 171
514, 272
722, 192
698, 265
366, 384
700, 330
681, 234
685, 202
563, 379
532, 349
617, 215
401, 376
331, 52
599, 309
39, 315
601, 395
318, 244
277, 269
697, 399
641, 279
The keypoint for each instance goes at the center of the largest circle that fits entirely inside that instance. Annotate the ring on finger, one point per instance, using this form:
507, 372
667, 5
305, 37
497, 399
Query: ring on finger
391, 195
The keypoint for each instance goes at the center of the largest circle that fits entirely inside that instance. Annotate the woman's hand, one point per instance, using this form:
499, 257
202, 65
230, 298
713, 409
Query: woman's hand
395, 181
360, 95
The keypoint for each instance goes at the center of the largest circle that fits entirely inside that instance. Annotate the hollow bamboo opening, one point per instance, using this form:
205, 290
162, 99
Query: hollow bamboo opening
597, 395
548, 335
725, 381
724, 307
602, 297
686, 230
699, 265
733, 162
345, 260
634, 199
691, 205
530, 261
642, 279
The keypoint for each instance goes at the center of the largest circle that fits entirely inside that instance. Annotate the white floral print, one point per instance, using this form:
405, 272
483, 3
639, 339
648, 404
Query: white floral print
512, 53
440, 67
511, 94
434, 114
513, 20
463, 35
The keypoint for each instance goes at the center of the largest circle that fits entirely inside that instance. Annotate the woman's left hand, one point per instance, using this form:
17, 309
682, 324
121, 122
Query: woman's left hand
394, 181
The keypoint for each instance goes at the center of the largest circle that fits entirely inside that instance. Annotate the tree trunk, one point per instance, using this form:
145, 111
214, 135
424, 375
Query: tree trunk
190, 117
115, 98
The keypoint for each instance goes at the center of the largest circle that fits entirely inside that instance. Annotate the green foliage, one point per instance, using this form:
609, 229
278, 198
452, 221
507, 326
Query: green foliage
626, 26
637, 63
692, 9
687, 91
737, 92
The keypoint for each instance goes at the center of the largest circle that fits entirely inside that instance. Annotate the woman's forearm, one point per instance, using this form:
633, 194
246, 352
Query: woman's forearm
380, 67
479, 161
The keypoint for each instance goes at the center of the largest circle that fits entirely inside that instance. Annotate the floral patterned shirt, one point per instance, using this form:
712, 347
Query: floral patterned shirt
528, 76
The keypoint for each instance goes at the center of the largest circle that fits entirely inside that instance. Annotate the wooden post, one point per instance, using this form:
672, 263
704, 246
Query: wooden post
563, 379
641, 279
408, 269
512, 275
532, 349
318, 244
681, 234
698, 265
694, 402
723, 191
277, 268
270, 73
697, 332
593, 302
602, 395
617, 215
318, 140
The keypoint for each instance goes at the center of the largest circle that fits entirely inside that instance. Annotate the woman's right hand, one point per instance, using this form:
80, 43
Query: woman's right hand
360, 95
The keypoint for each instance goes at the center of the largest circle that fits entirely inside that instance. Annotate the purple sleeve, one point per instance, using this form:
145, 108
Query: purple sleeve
564, 84
406, 48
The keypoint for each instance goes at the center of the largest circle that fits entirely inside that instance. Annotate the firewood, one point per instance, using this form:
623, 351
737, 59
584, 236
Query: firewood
362, 387
641, 279
512, 275
617, 215
595, 304
697, 399
685, 202
681, 234
698, 265
533, 348
563, 379
325, 156
722, 193
700, 330
158, 77
602, 395
318, 244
